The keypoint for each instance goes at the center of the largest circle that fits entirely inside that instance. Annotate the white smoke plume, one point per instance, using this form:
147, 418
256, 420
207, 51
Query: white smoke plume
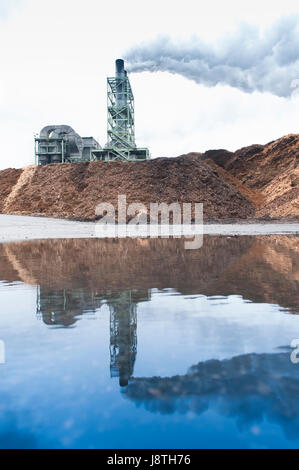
248, 60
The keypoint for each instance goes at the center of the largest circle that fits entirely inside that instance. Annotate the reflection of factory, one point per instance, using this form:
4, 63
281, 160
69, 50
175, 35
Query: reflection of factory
62, 307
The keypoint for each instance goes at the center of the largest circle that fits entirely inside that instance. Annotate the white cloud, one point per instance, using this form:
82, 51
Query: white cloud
7, 7
55, 58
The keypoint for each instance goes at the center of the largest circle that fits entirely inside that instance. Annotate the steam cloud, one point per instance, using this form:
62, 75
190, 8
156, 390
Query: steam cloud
248, 60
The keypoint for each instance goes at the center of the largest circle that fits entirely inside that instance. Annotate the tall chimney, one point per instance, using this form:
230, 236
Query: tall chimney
119, 67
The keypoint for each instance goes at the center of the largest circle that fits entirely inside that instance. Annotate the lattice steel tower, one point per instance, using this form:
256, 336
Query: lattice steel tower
120, 121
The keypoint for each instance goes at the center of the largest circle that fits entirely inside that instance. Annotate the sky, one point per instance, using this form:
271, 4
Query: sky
205, 75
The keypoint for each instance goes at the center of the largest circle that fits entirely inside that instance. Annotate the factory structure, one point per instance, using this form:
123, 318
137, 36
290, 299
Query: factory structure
60, 143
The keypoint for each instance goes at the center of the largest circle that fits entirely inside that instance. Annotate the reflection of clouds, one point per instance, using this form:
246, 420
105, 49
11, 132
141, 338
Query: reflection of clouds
251, 388
2, 352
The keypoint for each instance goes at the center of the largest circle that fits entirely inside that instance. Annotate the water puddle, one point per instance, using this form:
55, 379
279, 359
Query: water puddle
139, 343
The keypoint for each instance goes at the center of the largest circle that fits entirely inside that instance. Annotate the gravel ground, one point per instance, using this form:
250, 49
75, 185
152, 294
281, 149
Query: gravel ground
19, 228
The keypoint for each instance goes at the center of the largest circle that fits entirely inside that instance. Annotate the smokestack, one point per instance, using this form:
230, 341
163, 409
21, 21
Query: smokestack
120, 123
120, 96
119, 67
120, 74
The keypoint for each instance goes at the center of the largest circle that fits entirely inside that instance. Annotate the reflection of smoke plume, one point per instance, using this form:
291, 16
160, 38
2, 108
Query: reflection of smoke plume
247, 60
250, 387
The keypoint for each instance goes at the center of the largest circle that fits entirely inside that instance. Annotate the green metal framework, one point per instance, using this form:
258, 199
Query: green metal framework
52, 150
57, 149
120, 119
120, 124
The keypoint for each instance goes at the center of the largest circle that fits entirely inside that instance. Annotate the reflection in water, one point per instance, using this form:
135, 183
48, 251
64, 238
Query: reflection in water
123, 337
76, 278
62, 307
250, 387
123, 332
260, 268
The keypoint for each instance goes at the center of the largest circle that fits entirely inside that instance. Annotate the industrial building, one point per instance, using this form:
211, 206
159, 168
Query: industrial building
60, 143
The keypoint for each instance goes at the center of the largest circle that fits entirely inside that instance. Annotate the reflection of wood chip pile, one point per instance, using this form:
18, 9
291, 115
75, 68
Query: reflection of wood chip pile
256, 181
260, 268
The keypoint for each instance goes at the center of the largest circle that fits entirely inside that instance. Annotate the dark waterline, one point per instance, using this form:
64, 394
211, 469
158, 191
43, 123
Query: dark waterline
139, 343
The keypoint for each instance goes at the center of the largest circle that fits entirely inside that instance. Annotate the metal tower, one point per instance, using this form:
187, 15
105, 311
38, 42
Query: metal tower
120, 120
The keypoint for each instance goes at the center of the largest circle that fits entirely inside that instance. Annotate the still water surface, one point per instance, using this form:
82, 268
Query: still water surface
142, 344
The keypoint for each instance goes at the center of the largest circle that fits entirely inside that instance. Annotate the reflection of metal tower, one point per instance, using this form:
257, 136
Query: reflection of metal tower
123, 337
123, 332
121, 122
